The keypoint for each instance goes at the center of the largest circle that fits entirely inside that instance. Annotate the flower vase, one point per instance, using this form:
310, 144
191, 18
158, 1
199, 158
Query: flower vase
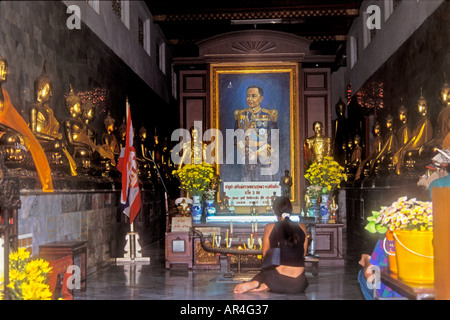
314, 210
324, 212
197, 209
210, 210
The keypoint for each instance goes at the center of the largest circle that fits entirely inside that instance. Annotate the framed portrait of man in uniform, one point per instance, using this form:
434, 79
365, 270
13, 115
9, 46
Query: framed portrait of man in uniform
255, 108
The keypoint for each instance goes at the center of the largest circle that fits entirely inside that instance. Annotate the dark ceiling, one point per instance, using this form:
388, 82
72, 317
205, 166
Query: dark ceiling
325, 22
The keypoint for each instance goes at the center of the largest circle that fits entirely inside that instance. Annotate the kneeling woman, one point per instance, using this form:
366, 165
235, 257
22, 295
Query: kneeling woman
289, 276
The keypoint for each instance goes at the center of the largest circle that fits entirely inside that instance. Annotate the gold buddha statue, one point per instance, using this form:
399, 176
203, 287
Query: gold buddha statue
340, 132
75, 130
80, 136
194, 151
109, 138
17, 138
10, 139
286, 184
156, 149
317, 147
122, 134
88, 116
166, 153
377, 143
145, 164
354, 161
390, 146
422, 134
404, 132
45, 126
444, 117
88, 111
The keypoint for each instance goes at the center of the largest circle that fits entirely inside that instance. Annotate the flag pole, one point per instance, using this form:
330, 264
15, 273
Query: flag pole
132, 247
127, 110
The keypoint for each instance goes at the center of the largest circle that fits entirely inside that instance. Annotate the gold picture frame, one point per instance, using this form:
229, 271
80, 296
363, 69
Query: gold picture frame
228, 85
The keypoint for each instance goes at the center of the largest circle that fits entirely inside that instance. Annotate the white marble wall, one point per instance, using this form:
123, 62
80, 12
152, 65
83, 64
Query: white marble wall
82, 216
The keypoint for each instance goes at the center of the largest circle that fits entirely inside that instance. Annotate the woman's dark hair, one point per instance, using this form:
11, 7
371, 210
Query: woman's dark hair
283, 205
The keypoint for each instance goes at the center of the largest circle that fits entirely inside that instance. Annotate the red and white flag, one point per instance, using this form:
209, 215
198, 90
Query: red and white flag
130, 197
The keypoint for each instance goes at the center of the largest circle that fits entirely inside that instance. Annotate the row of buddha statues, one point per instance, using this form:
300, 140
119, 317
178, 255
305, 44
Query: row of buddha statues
70, 148
403, 151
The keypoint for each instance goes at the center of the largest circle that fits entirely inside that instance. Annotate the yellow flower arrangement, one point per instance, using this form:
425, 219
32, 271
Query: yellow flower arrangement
195, 178
28, 278
328, 174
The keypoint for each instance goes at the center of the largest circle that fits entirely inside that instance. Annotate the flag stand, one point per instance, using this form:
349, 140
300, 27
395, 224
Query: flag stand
132, 249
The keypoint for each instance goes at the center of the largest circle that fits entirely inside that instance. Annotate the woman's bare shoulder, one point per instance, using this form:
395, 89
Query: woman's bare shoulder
269, 226
303, 226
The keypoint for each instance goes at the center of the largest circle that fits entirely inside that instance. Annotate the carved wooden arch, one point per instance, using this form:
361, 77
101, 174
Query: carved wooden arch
254, 45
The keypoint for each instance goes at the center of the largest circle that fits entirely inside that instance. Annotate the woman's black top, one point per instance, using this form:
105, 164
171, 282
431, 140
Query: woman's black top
290, 256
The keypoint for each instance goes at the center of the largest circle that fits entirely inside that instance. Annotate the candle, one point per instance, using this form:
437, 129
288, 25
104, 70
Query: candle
214, 238
227, 236
256, 229
231, 228
251, 240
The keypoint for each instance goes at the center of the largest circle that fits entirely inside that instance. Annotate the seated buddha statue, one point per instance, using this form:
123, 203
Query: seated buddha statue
109, 138
77, 139
444, 117
145, 164
122, 130
390, 146
407, 155
354, 161
45, 126
340, 133
17, 139
79, 135
156, 149
10, 140
442, 138
404, 132
364, 167
103, 150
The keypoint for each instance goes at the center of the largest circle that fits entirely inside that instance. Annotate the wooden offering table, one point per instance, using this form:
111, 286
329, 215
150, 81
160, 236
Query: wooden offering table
74, 249
407, 290
242, 229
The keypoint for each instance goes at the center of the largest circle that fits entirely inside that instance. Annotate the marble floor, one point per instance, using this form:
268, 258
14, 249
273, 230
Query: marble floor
153, 281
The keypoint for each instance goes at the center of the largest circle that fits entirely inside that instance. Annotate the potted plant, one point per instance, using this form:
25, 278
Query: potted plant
410, 222
327, 174
195, 179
